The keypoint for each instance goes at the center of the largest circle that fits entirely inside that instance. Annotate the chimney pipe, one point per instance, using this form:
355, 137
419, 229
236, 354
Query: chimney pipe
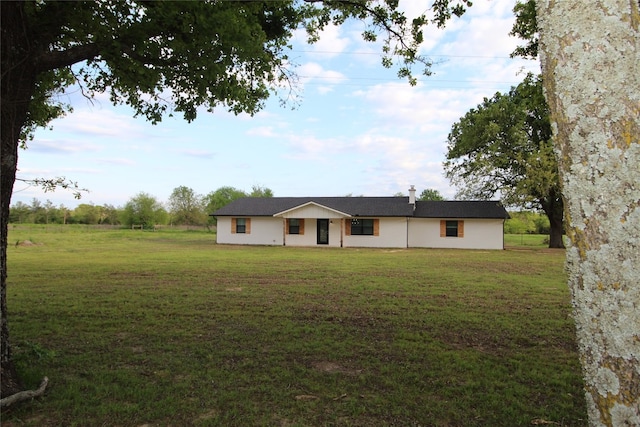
412, 195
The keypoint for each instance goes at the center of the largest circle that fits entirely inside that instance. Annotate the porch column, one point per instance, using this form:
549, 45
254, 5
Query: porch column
284, 231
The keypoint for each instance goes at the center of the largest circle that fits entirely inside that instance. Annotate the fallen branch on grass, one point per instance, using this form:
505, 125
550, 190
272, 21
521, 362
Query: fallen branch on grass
24, 395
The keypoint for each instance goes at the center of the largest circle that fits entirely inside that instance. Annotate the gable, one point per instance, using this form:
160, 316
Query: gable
312, 210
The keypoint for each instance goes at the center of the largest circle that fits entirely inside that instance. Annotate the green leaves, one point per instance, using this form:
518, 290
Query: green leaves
430, 194
526, 27
143, 210
443, 9
504, 146
186, 207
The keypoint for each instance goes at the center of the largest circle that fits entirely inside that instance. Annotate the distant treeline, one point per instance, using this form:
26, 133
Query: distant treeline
184, 207
46, 213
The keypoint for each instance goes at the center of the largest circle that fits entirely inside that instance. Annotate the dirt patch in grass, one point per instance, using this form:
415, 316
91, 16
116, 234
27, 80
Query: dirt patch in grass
27, 243
37, 420
207, 416
332, 368
479, 341
137, 349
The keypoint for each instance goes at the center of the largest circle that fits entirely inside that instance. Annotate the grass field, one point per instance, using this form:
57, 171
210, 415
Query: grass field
169, 329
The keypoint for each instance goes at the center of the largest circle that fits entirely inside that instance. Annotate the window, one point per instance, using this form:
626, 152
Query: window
295, 226
362, 227
451, 228
241, 225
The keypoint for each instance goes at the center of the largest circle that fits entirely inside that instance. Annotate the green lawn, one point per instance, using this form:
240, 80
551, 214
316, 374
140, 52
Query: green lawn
167, 328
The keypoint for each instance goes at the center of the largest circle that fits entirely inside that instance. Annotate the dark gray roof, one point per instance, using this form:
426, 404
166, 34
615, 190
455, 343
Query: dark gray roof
366, 206
461, 209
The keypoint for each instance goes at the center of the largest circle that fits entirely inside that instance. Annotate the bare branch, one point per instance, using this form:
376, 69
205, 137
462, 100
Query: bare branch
24, 395
50, 185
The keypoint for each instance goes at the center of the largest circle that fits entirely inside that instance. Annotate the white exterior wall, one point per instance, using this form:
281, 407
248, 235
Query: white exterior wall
264, 231
478, 234
393, 234
310, 236
422, 233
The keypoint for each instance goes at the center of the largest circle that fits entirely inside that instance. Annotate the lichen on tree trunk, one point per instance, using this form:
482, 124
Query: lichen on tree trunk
590, 62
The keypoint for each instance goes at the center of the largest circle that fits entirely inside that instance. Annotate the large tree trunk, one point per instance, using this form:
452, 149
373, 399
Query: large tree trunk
556, 232
556, 220
553, 207
590, 62
16, 89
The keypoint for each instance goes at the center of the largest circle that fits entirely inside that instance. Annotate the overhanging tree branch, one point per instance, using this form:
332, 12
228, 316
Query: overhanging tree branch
64, 58
51, 184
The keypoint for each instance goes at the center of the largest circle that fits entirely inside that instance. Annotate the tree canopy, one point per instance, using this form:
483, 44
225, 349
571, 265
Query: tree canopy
430, 194
504, 146
225, 195
186, 207
259, 191
144, 210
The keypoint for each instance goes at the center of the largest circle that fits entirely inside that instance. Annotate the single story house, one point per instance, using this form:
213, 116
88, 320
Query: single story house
376, 222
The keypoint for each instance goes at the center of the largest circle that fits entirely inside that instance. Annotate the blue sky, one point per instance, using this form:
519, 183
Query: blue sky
357, 130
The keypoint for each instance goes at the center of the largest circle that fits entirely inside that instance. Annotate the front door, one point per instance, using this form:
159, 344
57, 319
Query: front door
323, 231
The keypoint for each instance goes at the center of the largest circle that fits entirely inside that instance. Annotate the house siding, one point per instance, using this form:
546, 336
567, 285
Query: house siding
477, 234
307, 239
392, 234
264, 231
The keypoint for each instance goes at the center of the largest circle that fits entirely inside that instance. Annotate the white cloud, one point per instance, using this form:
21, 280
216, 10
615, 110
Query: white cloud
262, 131
117, 161
58, 146
42, 172
483, 31
416, 110
310, 147
103, 123
199, 154
331, 42
314, 74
